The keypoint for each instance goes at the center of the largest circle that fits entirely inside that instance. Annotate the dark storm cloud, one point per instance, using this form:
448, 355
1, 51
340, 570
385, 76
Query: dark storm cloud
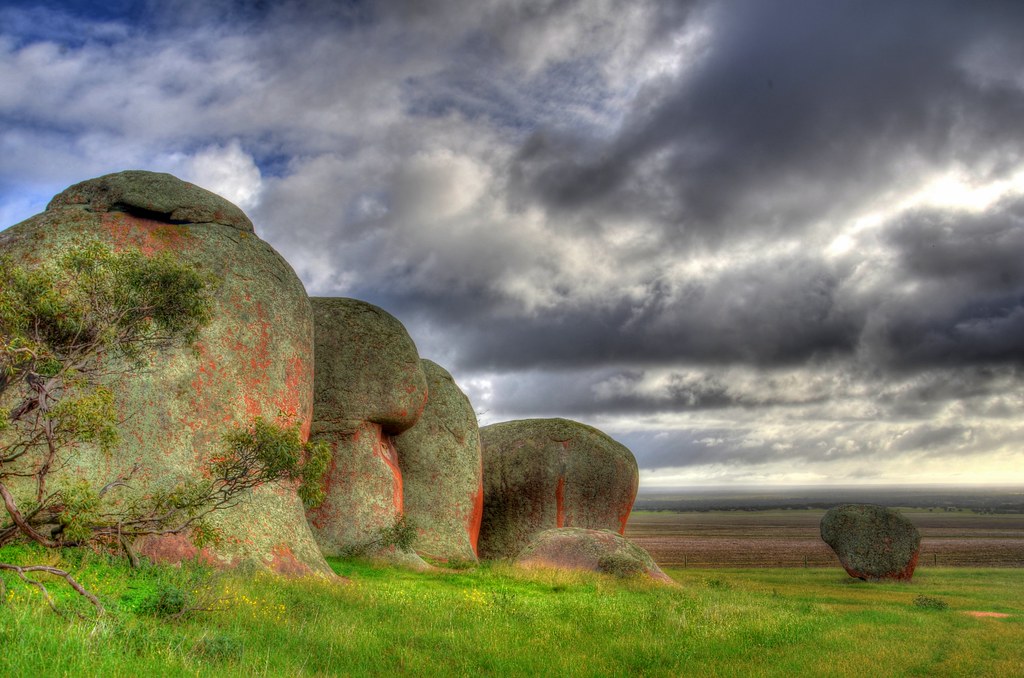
535, 65
984, 333
928, 437
585, 394
829, 392
755, 139
694, 447
797, 111
737, 448
967, 303
982, 251
922, 396
765, 313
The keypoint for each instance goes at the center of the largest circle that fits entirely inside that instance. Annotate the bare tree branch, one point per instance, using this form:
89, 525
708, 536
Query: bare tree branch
20, 570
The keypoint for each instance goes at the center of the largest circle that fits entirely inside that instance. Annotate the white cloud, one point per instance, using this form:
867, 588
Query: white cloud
438, 186
226, 170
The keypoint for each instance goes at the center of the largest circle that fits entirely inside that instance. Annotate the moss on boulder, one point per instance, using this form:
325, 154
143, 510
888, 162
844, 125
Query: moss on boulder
155, 196
546, 473
442, 473
593, 550
254, 359
873, 543
369, 387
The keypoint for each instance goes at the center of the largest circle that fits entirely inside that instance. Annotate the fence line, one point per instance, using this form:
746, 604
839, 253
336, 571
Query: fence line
926, 561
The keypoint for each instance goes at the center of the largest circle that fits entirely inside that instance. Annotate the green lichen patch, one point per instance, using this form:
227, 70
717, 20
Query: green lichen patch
152, 195
368, 368
441, 471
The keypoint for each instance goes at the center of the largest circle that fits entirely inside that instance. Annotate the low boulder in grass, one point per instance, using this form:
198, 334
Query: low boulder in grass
874, 543
603, 551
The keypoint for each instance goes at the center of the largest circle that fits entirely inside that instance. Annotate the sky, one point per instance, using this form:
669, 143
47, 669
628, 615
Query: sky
757, 242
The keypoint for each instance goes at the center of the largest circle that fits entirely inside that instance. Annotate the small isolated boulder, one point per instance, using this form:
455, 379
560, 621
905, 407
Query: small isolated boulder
541, 474
874, 543
441, 472
602, 551
369, 387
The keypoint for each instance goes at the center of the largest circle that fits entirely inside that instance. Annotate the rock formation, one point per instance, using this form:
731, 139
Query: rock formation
873, 542
546, 473
442, 473
255, 359
369, 387
594, 550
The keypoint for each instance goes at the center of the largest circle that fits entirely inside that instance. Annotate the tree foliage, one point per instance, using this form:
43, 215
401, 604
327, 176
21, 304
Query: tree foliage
68, 327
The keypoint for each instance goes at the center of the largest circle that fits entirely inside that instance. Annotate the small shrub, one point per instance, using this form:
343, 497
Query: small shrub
717, 584
620, 566
399, 535
168, 600
460, 564
218, 648
930, 603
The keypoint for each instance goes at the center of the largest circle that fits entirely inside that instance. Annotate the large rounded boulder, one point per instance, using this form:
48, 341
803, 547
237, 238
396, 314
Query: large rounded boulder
442, 472
872, 542
254, 360
604, 551
369, 388
546, 473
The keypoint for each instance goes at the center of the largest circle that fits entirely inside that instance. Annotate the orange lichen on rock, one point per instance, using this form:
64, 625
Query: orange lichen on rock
476, 517
283, 561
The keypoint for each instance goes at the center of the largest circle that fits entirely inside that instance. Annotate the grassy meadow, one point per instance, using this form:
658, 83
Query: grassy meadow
496, 620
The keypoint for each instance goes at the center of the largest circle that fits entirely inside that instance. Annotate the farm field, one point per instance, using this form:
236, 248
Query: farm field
790, 538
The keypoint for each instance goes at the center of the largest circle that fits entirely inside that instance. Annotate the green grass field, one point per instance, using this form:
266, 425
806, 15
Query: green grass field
499, 621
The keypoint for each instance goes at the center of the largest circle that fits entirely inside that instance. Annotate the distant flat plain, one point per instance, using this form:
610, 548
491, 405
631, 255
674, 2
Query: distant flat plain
747, 529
